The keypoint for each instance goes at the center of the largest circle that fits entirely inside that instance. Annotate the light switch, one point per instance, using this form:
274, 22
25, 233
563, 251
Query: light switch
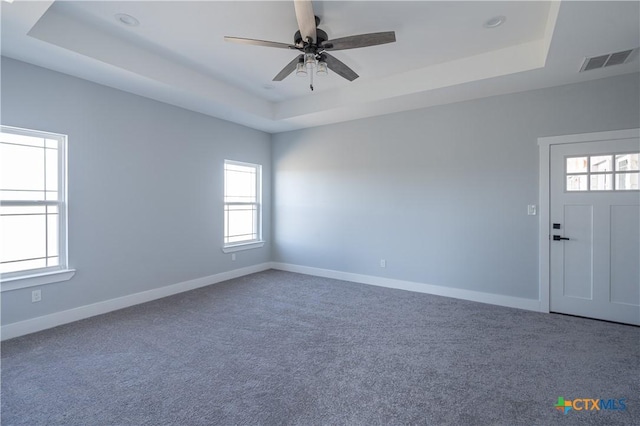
531, 210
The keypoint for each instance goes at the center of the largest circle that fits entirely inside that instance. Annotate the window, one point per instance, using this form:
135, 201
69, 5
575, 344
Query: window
32, 204
610, 172
242, 209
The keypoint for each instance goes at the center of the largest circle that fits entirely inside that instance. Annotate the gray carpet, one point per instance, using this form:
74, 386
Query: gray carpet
280, 348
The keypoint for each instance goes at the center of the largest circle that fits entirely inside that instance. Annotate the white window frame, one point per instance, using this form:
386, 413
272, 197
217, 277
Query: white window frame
248, 244
61, 272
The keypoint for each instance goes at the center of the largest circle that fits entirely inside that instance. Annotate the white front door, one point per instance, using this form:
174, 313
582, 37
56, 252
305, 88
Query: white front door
595, 230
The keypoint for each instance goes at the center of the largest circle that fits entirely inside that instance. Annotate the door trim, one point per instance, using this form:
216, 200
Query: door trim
544, 201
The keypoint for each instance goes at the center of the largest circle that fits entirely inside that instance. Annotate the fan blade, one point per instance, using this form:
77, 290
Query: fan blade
339, 68
288, 69
306, 19
362, 40
259, 42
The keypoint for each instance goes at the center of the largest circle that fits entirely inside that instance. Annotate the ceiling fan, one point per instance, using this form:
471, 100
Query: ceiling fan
313, 43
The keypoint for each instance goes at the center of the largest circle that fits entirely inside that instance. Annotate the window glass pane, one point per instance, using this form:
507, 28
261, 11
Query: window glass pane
53, 261
577, 183
240, 186
626, 162
52, 235
11, 210
51, 156
239, 168
22, 265
240, 223
627, 181
21, 139
21, 167
51, 143
23, 237
240, 239
577, 165
226, 225
22, 195
601, 163
602, 182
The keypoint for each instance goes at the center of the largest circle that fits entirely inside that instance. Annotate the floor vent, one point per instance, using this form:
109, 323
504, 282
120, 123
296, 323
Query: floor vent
608, 60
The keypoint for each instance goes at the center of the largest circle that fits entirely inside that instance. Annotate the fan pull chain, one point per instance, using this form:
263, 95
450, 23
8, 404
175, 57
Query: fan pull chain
311, 79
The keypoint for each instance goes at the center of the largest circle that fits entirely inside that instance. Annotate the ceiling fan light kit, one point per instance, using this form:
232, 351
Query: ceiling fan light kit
313, 43
301, 68
322, 69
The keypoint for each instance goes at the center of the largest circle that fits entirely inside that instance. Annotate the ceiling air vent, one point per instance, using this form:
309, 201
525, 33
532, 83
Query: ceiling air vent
607, 60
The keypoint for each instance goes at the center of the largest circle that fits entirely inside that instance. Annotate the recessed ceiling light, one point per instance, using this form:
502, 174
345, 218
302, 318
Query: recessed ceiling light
129, 20
494, 22
8, 1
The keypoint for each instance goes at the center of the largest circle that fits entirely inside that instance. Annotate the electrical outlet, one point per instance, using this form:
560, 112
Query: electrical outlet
233, 256
36, 296
383, 263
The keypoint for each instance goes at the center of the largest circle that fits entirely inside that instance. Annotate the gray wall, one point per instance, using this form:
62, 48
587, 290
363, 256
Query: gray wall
440, 193
145, 187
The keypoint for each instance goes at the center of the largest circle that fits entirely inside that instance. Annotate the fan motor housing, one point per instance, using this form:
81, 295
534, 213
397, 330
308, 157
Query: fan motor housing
321, 37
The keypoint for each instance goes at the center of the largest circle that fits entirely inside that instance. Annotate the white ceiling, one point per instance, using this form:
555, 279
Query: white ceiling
443, 53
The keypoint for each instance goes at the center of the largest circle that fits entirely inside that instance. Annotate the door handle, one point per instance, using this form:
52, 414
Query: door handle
558, 238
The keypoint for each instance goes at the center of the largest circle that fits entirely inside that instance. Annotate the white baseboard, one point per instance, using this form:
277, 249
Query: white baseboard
32, 325
456, 293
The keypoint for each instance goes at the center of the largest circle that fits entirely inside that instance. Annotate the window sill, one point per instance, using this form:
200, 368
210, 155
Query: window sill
16, 283
243, 246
